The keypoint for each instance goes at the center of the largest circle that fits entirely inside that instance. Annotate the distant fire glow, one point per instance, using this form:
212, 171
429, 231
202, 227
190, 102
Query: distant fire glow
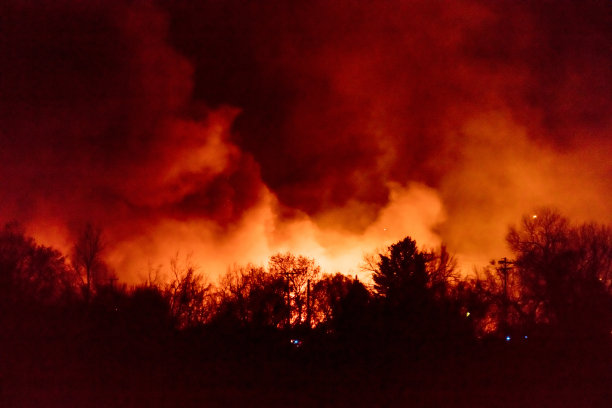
228, 134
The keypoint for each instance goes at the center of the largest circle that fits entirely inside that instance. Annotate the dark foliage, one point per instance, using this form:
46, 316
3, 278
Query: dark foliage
284, 335
563, 274
31, 274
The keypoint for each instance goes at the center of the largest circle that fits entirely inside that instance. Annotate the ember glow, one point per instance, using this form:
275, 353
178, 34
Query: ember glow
234, 130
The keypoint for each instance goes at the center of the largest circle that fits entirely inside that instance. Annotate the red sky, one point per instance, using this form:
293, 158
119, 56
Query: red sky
232, 130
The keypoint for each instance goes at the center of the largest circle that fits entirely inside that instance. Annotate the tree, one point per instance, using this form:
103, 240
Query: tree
87, 257
342, 304
252, 296
441, 274
31, 273
327, 296
401, 273
298, 273
416, 292
189, 295
564, 272
476, 299
594, 245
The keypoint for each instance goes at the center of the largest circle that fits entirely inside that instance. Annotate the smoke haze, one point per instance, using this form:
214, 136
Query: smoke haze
233, 130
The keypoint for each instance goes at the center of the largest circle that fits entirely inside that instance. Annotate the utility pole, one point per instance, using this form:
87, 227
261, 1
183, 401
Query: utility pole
308, 303
505, 269
288, 293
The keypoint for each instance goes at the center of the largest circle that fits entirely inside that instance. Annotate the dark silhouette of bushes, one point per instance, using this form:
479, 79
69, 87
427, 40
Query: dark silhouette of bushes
251, 296
563, 274
31, 274
417, 294
286, 329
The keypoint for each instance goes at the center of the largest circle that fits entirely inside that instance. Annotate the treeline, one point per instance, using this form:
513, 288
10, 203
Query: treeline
557, 282
532, 329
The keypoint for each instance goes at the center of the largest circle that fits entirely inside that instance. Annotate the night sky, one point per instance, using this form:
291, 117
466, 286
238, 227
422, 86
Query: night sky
232, 130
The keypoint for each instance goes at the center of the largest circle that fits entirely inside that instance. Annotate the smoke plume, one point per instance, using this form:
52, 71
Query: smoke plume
233, 130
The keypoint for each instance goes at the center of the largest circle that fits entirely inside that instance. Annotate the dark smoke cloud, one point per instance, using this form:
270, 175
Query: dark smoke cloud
98, 121
340, 97
238, 128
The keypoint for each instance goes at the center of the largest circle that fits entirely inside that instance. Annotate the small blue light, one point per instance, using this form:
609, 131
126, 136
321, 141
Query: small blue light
507, 338
525, 337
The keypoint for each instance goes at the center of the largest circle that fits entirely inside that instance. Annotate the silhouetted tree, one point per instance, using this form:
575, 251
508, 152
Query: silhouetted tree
441, 273
87, 257
327, 295
417, 292
355, 312
189, 295
498, 289
29, 272
594, 245
475, 301
298, 272
401, 273
564, 272
251, 296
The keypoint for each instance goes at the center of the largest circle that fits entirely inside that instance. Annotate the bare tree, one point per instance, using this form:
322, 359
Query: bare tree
87, 256
328, 295
189, 293
299, 272
30, 272
564, 271
252, 296
441, 268
594, 246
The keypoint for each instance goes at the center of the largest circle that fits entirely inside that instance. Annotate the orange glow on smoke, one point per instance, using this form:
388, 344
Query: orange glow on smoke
329, 130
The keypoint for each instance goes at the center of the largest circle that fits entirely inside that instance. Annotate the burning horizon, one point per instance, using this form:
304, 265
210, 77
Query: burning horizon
235, 131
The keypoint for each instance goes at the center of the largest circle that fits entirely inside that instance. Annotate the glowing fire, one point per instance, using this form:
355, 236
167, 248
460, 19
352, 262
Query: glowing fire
301, 134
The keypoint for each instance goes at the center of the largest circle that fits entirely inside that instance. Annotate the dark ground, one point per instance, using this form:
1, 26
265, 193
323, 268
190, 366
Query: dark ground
70, 367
